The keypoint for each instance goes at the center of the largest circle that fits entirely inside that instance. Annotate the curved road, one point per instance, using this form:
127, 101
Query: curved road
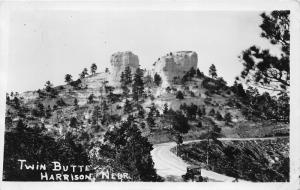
167, 164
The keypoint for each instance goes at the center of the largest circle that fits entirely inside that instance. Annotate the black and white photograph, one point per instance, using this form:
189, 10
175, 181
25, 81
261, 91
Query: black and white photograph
147, 96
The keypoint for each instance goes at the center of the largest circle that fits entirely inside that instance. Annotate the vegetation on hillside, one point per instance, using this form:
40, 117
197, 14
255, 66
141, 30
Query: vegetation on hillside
257, 161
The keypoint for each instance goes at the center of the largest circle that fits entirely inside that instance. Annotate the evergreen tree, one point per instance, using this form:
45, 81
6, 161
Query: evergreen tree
48, 112
48, 86
16, 102
122, 78
75, 102
213, 71
192, 72
199, 125
131, 150
68, 78
227, 118
96, 114
104, 106
7, 98
93, 68
157, 79
138, 84
34, 145
203, 111
127, 107
179, 95
151, 115
199, 112
219, 116
91, 98
124, 84
141, 113
166, 109
199, 73
84, 73
238, 89
212, 112
148, 80
127, 76
168, 89
263, 69
41, 110
73, 122
180, 122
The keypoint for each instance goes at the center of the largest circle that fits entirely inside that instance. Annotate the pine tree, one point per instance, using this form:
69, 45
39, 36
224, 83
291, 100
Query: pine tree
179, 95
213, 71
141, 113
124, 84
68, 78
73, 122
127, 107
203, 111
227, 118
212, 112
133, 154
127, 76
41, 109
166, 109
199, 113
48, 112
96, 115
48, 86
262, 68
16, 102
157, 79
91, 98
219, 116
75, 102
83, 73
93, 68
150, 120
138, 85
7, 98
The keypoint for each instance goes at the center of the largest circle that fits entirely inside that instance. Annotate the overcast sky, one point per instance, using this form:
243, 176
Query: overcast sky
46, 45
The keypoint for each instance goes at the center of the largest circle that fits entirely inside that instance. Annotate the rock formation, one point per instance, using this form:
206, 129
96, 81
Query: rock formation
175, 65
120, 60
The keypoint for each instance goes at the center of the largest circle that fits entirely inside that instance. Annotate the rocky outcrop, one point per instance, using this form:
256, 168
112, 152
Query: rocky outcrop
175, 65
120, 60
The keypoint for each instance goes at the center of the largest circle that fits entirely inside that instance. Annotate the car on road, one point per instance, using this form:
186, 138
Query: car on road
193, 173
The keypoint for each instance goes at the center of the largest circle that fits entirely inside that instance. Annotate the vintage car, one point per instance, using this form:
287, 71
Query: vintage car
193, 173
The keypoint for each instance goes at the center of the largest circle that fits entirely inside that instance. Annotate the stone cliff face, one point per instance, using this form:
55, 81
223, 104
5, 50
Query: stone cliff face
175, 65
120, 60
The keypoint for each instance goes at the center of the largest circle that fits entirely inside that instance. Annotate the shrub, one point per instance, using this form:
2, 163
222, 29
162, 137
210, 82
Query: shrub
179, 95
228, 118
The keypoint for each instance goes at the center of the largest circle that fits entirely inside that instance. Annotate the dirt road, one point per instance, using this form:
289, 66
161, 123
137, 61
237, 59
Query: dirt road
167, 164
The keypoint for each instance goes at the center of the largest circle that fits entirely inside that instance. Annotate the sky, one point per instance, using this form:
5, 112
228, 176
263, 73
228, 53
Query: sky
46, 45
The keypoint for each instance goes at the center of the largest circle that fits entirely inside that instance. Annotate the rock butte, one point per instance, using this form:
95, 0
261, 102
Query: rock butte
119, 61
175, 64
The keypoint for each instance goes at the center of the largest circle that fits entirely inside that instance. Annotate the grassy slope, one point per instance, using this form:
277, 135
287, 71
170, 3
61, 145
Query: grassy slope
239, 128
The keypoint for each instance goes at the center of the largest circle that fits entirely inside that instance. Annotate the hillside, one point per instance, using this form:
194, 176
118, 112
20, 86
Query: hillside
193, 91
94, 111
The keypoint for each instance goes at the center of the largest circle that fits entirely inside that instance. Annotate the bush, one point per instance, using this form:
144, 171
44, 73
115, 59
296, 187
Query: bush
219, 116
61, 102
228, 118
179, 95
